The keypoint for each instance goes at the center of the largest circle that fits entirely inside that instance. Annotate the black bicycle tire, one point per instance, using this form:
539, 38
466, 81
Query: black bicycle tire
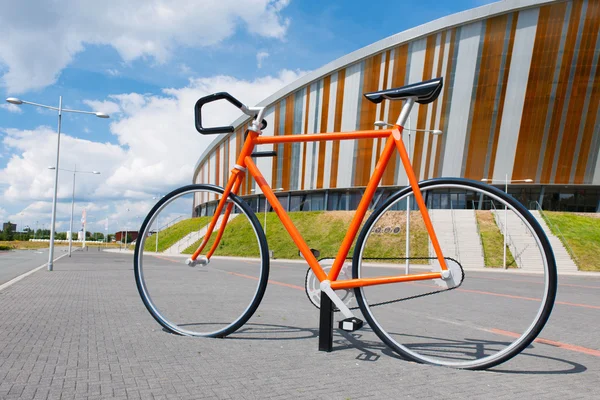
547, 249
264, 276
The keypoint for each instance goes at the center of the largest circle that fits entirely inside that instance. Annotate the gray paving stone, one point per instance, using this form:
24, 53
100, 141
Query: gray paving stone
81, 332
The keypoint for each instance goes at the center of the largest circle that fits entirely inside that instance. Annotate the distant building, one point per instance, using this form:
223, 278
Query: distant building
13, 227
131, 236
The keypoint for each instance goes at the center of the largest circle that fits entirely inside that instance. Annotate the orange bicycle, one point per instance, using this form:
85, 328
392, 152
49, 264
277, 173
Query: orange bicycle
417, 301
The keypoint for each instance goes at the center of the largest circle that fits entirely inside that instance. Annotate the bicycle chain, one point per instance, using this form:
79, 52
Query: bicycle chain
404, 298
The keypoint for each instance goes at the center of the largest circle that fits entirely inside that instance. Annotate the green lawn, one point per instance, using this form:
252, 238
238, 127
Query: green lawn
582, 234
493, 242
323, 231
169, 236
385, 242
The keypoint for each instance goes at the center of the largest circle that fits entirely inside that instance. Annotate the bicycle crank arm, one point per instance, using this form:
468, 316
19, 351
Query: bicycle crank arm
326, 287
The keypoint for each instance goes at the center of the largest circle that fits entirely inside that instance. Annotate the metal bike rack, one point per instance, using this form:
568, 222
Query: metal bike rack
326, 324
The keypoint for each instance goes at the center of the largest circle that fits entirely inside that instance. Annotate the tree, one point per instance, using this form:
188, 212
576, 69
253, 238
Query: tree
7, 232
98, 236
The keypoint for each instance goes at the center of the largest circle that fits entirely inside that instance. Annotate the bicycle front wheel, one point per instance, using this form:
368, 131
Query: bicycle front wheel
507, 293
213, 300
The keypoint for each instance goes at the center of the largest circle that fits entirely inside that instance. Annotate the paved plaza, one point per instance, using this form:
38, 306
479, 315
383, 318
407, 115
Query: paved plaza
82, 332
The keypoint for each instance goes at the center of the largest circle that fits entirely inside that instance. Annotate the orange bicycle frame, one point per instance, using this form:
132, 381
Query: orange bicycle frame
246, 163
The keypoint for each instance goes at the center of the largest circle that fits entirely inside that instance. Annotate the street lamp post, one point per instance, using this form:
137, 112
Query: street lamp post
74, 171
60, 109
127, 209
506, 181
21, 222
266, 202
156, 248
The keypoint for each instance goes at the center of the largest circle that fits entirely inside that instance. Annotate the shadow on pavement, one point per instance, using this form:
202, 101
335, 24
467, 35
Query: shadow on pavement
468, 347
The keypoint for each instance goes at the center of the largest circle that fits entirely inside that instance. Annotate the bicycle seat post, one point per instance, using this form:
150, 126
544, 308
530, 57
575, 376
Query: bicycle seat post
403, 117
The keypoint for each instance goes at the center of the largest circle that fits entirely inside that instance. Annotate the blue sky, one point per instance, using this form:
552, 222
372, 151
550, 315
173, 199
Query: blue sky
146, 63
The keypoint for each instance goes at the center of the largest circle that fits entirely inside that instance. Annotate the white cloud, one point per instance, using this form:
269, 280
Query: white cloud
113, 72
184, 69
40, 41
27, 175
13, 108
158, 149
163, 145
108, 107
260, 57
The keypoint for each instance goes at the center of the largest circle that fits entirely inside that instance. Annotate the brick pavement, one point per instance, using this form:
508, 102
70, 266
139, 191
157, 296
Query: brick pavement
81, 332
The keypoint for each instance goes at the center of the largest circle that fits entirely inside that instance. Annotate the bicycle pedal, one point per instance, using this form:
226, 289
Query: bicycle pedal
350, 324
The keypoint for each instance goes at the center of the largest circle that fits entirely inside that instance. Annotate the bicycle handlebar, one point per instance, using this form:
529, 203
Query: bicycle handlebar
220, 129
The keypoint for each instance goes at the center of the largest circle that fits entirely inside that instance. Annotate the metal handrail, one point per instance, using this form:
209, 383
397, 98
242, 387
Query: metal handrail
455, 233
554, 228
191, 239
509, 239
165, 226
479, 235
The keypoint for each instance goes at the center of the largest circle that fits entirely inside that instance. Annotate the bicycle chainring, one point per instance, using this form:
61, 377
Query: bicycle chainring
312, 286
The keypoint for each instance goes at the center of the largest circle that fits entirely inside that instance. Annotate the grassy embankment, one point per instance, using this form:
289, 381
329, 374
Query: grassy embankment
26, 245
581, 233
493, 242
323, 231
169, 236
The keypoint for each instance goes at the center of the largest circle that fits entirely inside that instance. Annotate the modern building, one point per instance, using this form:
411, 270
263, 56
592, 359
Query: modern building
520, 101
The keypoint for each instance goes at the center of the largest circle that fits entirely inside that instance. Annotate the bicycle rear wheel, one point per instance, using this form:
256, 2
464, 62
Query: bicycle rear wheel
495, 313
212, 300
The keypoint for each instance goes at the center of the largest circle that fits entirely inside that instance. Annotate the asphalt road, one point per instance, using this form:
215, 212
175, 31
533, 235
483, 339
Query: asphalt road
17, 262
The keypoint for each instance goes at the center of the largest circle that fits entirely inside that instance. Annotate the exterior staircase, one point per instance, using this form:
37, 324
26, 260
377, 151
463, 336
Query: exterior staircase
521, 243
564, 262
524, 248
193, 237
458, 235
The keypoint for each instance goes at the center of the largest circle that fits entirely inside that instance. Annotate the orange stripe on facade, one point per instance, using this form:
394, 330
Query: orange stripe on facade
368, 110
511, 42
485, 96
590, 119
435, 104
227, 171
287, 147
398, 79
276, 123
337, 126
306, 106
561, 91
445, 102
384, 85
386, 69
218, 167
422, 116
323, 128
537, 95
577, 98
